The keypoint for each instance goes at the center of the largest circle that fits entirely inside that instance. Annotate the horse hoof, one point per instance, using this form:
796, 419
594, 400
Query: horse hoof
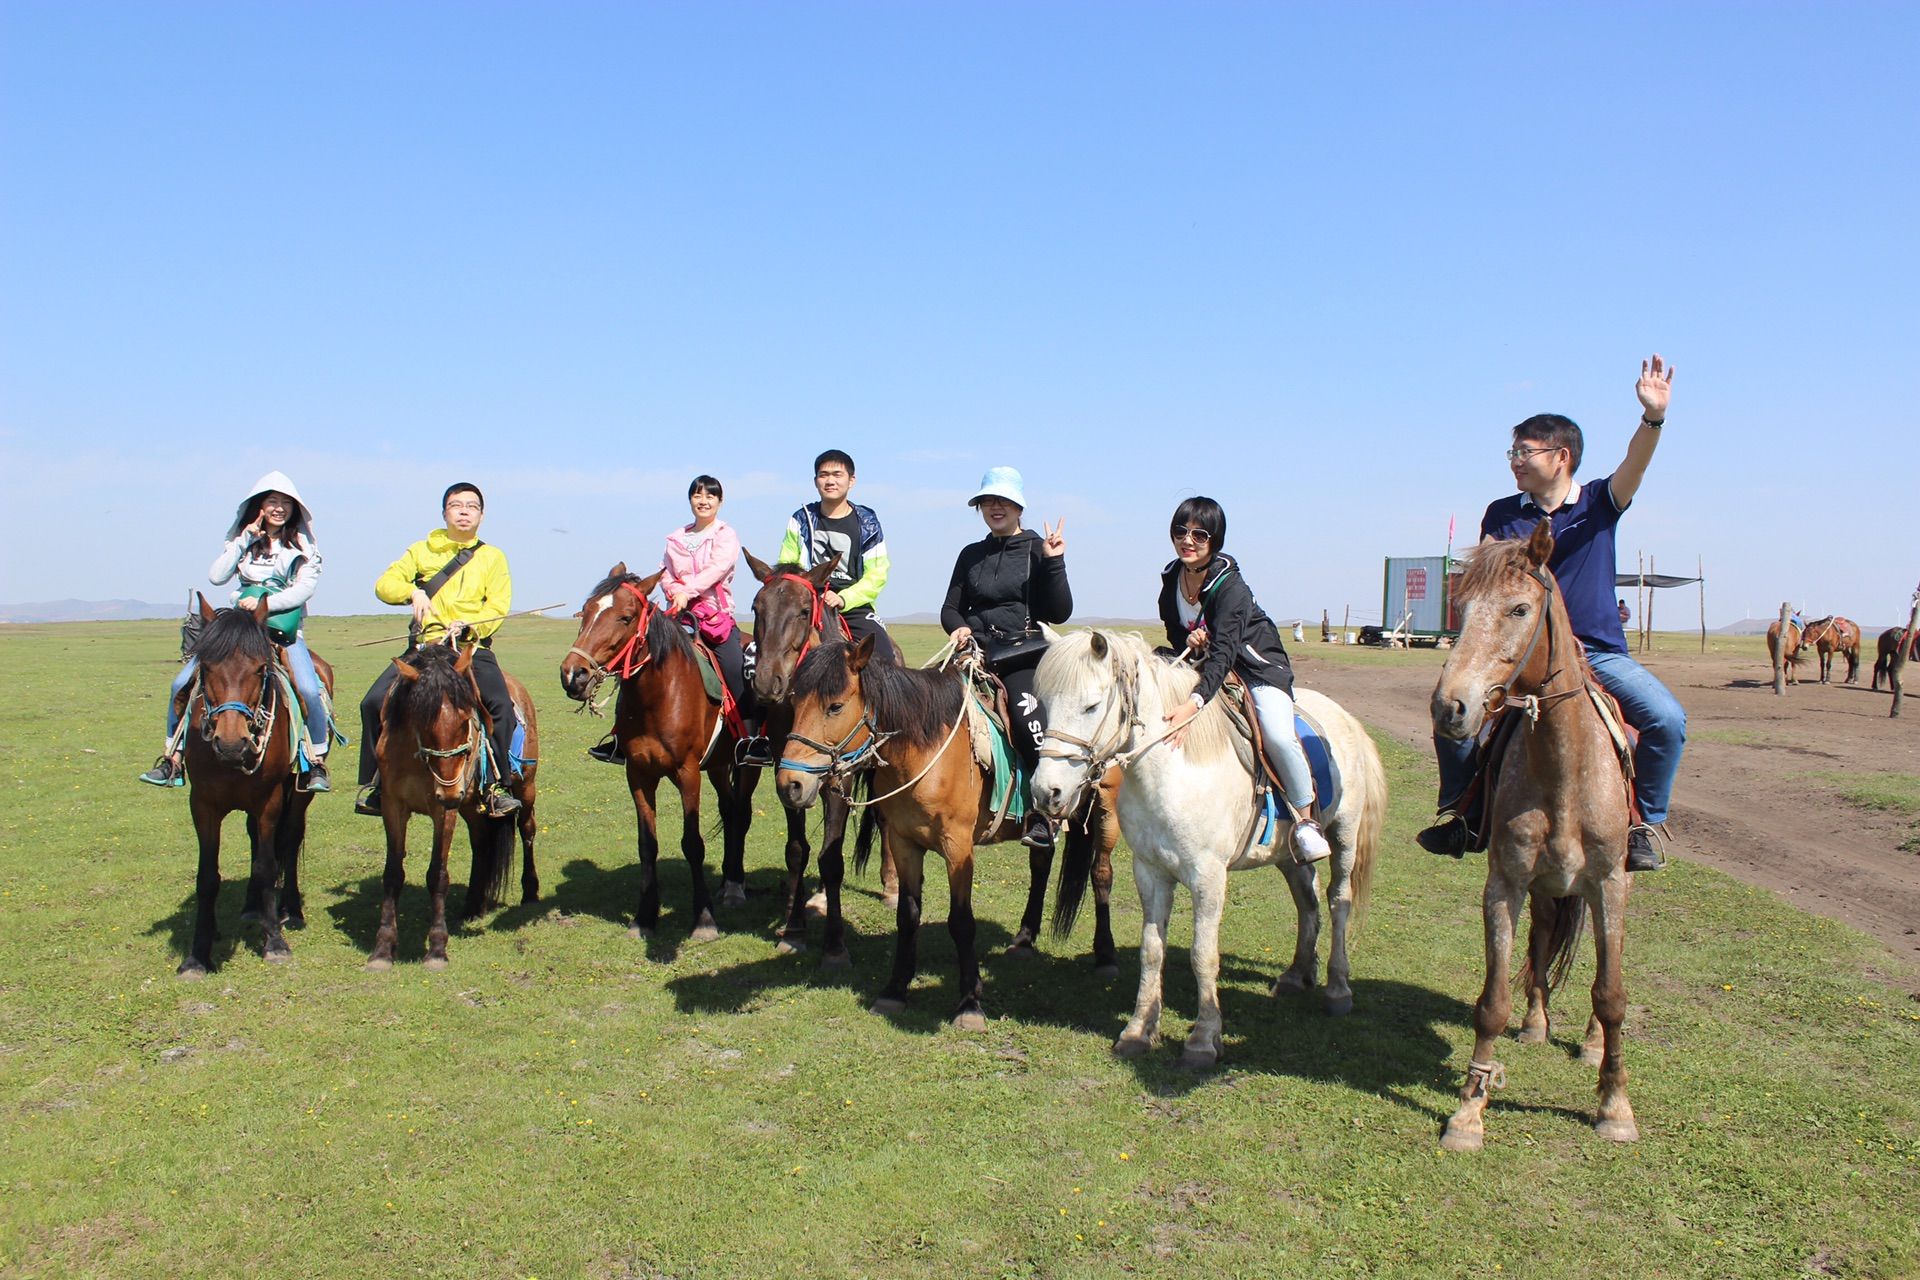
817, 905
971, 1020
1339, 1006
379, 965
1590, 1055
836, 960
1532, 1035
1199, 1059
891, 901
887, 1006
434, 963
275, 955
789, 947
1106, 971
1461, 1139
1618, 1130
190, 971
733, 895
294, 923
1131, 1046
1021, 951
705, 931
638, 934
1288, 984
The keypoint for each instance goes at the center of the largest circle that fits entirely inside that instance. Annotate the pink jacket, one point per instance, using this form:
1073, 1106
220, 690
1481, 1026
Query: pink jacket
705, 572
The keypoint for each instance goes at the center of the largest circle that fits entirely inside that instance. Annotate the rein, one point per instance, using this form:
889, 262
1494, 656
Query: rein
260, 716
462, 780
627, 661
1097, 759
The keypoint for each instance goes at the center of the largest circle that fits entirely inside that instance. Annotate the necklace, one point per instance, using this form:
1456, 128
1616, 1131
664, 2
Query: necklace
1192, 595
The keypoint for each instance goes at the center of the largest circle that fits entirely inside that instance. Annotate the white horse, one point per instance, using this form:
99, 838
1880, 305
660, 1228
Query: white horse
1189, 814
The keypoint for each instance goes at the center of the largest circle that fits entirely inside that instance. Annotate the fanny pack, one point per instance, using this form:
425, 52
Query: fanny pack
1002, 647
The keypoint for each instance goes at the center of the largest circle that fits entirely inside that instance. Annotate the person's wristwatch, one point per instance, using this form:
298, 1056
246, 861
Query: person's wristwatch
1655, 423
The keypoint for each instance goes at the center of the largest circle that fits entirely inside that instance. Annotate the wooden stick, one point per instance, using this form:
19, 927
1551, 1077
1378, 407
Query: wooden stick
1780, 652
476, 622
1700, 568
1896, 668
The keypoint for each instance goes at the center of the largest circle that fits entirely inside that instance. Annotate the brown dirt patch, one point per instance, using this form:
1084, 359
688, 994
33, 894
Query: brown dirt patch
1750, 799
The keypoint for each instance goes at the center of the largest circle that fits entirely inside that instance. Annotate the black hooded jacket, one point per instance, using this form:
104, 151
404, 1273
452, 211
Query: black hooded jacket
1240, 636
1005, 587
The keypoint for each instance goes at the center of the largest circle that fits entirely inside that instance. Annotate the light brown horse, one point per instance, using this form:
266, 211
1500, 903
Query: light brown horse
1559, 814
1888, 645
1830, 636
433, 731
239, 755
1791, 658
667, 728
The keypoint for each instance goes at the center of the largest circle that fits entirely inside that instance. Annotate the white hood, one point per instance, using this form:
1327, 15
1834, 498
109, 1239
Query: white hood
272, 482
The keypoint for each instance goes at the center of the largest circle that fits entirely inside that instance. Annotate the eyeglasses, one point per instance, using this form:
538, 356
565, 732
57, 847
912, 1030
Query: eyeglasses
463, 506
1194, 532
1520, 453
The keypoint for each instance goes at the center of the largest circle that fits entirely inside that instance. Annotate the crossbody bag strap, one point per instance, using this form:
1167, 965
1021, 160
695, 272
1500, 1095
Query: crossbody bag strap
432, 585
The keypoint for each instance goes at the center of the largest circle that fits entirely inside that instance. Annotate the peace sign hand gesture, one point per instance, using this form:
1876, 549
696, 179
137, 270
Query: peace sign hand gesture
1054, 542
1654, 387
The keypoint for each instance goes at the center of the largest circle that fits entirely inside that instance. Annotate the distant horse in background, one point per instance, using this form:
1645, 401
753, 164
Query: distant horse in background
1830, 636
1890, 645
1792, 655
241, 757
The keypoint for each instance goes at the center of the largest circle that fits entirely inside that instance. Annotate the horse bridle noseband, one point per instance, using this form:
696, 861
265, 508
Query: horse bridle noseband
260, 716
462, 780
1096, 757
840, 763
1497, 697
627, 661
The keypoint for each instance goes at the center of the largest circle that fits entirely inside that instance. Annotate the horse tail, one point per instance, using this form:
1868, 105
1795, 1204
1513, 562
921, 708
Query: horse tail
1076, 869
493, 858
1569, 924
1372, 821
869, 823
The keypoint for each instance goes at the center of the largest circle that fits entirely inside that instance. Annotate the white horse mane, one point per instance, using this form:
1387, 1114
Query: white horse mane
1070, 662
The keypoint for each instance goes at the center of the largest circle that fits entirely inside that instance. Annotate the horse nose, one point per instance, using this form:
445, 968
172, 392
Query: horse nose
570, 682
1449, 716
793, 792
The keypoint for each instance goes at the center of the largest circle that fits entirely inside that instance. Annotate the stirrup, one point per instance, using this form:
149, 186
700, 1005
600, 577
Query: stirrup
753, 752
1447, 836
1301, 855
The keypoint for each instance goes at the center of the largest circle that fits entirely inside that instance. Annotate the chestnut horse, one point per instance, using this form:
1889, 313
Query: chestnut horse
433, 731
789, 619
1792, 656
667, 728
241, 757
1889, 645
1558, 816
1830, 636
908, 726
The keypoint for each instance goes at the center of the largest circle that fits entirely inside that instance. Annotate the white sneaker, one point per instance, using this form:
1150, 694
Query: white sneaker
1309, 842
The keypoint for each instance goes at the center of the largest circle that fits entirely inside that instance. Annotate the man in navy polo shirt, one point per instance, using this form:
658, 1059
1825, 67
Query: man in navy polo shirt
1545, 454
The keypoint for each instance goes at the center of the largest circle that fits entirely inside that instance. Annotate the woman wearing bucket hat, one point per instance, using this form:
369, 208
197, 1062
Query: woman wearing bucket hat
270, 548
1004, 586
1207, 606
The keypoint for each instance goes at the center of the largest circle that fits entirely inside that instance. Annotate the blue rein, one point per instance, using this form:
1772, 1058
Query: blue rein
836, 761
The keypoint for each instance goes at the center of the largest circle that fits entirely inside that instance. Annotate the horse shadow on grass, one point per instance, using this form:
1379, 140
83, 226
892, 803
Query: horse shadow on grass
231, 934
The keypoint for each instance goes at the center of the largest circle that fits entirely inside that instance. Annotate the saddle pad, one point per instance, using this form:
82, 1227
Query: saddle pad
1326, 773
710, 674
993, 753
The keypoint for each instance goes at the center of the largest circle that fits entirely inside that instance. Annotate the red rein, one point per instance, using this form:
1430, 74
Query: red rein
633, 655
818, 615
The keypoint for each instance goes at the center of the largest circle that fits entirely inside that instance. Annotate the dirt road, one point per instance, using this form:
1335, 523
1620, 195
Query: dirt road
1759, 794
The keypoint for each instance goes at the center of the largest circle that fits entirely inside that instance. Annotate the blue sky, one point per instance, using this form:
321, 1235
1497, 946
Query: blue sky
1313, 261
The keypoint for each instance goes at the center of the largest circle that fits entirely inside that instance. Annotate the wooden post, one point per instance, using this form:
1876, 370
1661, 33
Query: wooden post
1640, 603
1326, 627
1346, 619
1898, 665
1646, 619
1700, 568
1780, 652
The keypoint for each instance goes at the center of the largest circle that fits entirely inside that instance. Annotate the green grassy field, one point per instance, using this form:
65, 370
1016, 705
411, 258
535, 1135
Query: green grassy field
563, 1101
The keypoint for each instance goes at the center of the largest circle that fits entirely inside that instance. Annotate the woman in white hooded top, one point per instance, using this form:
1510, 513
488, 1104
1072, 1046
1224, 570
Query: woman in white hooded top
270, 549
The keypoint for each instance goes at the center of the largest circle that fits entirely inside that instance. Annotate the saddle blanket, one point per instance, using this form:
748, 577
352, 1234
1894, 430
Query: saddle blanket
1326, 773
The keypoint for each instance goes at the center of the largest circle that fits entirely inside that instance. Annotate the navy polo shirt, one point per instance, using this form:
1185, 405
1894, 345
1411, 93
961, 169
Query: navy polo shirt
1583, 557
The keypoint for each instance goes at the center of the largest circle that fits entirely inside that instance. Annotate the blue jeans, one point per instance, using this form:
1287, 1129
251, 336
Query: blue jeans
1282, 741
305, 679
1647, 705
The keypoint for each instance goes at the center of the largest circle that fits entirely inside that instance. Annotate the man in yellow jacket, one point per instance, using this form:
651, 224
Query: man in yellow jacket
454, 583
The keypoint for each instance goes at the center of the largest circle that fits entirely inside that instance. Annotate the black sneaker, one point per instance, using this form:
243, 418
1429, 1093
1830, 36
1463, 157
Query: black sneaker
607, 751
754, 753
316, 779
499, 802
166, 772
368, 801
1446, 837
1643, 853
1039, 833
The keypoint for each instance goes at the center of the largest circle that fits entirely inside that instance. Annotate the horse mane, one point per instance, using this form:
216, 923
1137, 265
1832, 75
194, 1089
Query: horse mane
664, 635
417, 702
233, 632
1209, 734
917, 705
1490, 564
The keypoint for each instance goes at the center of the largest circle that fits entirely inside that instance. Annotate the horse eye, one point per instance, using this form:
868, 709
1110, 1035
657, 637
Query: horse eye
1520, 610
836, 708
1092, 707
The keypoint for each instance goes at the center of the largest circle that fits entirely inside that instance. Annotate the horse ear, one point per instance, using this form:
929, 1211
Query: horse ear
1100, 646
258, 608
646, 585
618, 571
862, 654
464, 662
406, 670
206, 610
1540, 545
761, 569
823, 571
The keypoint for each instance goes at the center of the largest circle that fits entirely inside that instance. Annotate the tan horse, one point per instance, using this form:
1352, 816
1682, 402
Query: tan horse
1830, 636
1558, 814
1794, 645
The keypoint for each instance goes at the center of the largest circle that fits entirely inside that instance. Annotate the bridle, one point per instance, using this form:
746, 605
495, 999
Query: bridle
1099, 752
461, 781
260, 716
627, 661
843, 759
1501, 694
816, 615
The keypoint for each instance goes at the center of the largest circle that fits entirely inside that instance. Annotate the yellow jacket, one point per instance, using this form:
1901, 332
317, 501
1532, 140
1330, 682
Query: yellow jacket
482, 589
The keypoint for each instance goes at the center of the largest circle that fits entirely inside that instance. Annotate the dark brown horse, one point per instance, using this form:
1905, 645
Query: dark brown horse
667, 728
1889, 645
1558, 814
239, 754
433, 733
789, 619
1830, 636
1791, 658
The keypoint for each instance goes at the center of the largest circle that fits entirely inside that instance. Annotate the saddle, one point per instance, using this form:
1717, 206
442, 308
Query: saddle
1496, 736
988, 734
716, 686
1238, 700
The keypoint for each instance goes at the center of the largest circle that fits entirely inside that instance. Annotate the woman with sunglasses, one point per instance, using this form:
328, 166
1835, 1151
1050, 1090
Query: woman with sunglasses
1208, 607
1003, 587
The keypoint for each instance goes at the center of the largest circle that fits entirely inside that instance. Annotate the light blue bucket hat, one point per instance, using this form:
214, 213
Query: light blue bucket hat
1001, 482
